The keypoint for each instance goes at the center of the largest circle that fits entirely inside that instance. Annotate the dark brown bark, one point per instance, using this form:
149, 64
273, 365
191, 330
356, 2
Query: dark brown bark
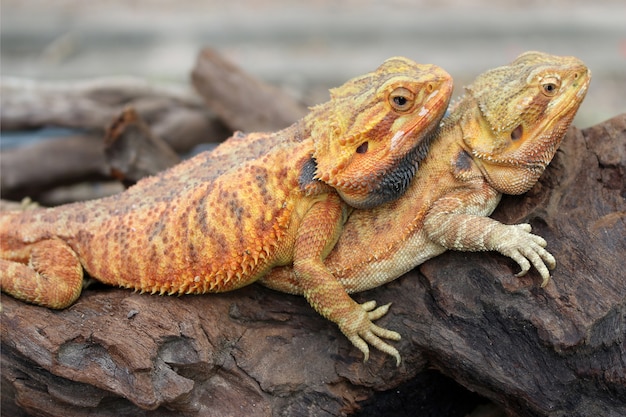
556, 351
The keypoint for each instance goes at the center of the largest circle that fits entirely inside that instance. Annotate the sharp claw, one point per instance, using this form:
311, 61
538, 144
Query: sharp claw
360, 344
528, 251
366, 333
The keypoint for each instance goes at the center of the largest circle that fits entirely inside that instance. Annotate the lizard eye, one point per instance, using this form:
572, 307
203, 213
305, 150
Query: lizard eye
550, 87
401, 99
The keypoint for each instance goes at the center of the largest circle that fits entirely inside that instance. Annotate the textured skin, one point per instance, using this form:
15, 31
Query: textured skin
221, 220
497, 139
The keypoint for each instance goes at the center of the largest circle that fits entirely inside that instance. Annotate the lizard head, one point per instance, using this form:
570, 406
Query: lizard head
369, 138
526, 107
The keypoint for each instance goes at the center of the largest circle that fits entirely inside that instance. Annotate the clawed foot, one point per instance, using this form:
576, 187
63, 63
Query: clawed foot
360, 330
526, 248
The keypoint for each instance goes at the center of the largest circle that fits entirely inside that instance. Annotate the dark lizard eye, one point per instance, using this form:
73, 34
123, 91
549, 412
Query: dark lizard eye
362, 148
550, 86
401, 99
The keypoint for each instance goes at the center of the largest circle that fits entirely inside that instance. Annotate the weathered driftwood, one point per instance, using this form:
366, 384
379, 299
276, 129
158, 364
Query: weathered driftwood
554, 351
133, 152
173, 114
242, 101
177, 116
29, 169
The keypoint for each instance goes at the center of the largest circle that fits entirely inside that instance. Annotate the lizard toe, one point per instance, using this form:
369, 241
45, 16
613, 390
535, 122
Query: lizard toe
360, 344
369, 305
362, 332
373, 339
379, 312
522, 261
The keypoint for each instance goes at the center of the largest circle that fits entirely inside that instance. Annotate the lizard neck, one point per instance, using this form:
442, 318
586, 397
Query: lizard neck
395, 182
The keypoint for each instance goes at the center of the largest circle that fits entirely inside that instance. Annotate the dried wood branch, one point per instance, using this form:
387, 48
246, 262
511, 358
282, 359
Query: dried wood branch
133, 152
243, 102
174, 113
83, 104
29, 169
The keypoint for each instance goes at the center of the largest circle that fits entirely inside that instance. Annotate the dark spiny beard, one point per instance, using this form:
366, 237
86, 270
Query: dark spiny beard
395, 182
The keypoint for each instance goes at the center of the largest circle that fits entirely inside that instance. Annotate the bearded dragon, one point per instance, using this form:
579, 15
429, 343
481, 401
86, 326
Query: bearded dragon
497, 139
221, 220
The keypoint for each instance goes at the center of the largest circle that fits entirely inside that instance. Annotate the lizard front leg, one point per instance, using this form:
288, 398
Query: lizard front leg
317, 235
460, 227
53, 277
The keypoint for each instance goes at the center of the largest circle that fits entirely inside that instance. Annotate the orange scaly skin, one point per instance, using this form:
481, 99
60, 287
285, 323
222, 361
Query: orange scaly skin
497, 139
221, 220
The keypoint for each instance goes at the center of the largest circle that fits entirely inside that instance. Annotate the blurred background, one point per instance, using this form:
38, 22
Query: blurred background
307, 47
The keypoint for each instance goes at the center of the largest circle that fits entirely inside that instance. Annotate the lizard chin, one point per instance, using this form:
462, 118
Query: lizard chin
499, 177
526, 164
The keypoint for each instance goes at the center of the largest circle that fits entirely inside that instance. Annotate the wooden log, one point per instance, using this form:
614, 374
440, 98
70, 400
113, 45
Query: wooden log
242, 101
553, 351
92, 104
133, 152
171, 113
30, 169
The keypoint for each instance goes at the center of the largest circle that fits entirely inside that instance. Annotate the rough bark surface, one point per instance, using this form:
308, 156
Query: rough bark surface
557, 351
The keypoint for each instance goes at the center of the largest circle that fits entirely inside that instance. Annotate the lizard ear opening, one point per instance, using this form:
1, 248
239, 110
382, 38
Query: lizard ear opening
362, 147
517, 133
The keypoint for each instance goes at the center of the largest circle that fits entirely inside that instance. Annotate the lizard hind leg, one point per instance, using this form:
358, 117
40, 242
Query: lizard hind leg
53, 277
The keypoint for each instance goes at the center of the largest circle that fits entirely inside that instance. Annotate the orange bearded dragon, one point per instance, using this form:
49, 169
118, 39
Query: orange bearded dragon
497, 139
221, 220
